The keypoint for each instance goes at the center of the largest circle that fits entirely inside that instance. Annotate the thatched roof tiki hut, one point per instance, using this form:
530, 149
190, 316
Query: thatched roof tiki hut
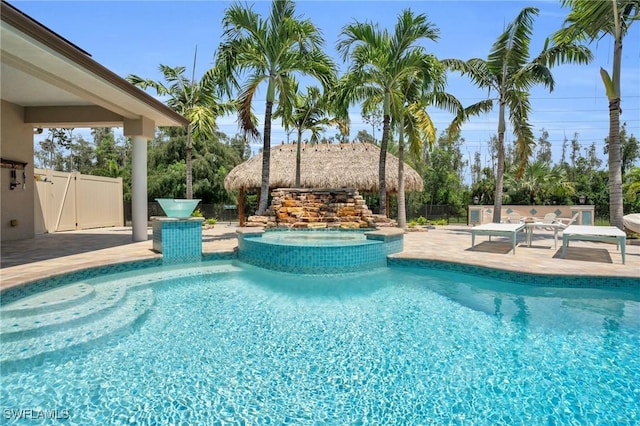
325, 166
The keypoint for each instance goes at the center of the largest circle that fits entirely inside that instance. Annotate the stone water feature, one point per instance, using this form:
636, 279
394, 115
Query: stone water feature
178, 236
302, 208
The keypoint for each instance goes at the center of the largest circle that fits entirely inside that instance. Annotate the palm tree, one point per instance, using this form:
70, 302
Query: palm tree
309, 114
270, 50
540, 183
413, 120
380, 63
509, 73
195, 100
591, 20
418, 126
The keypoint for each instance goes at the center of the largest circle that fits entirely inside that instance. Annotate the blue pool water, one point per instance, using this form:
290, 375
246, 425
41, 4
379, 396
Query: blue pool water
315, 238
234, 344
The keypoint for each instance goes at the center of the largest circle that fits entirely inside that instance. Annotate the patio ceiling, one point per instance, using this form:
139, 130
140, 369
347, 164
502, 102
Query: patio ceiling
60, 85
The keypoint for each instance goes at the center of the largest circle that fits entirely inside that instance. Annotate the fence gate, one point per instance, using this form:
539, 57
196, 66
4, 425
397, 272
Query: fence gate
69, 201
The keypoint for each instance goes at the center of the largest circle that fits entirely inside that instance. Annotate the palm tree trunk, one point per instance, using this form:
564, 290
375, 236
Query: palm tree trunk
189, 194
241, 207
615, 151
497, 203
266, 160
298, 158
402, 209
615, 166
382, 166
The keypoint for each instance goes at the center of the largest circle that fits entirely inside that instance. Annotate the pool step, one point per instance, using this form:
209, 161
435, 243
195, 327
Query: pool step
95, 326
35, 320
48, 301
81, 312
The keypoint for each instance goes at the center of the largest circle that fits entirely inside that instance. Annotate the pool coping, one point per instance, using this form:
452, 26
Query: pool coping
446, 245
394, 260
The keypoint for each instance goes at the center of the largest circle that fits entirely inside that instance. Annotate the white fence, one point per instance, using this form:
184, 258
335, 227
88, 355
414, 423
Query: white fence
69, 201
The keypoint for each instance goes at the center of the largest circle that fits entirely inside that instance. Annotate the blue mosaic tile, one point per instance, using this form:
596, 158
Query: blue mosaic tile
541, 280
558, 212
227, 255
317, 260
178, 241
533, 212
509, 211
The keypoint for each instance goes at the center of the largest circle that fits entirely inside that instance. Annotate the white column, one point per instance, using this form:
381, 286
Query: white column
139, 188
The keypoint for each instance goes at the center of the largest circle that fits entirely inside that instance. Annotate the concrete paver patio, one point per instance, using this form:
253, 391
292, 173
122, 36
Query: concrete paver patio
48, 255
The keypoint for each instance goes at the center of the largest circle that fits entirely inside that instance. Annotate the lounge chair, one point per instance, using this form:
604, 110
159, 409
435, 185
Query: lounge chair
550, 218
566, 222
595, 233
548, 223
509, 230
512, 218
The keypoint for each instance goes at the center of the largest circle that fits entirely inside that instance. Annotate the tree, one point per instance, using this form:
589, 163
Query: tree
509, 73
46, 156
544, 148
632, 189
270, 50
539, 184
588, 21
83, 156
380, 63
212, 159
51, 156
485, 187
417, 124
195, 100
443, 174
375, 119
241, 145
364, 137
110, 153
629, 150
476, 168
308, 114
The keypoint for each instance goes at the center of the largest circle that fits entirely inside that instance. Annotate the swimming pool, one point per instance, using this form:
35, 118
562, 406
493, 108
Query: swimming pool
227, 343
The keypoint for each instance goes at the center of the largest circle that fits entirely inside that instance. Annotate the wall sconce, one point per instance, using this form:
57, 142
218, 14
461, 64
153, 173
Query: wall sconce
476, 199
582, 199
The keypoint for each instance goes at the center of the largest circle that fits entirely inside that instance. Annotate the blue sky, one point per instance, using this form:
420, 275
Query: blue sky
135, 37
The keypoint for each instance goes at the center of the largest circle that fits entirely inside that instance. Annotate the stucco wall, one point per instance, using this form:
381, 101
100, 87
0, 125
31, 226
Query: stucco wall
16, 143
479, 214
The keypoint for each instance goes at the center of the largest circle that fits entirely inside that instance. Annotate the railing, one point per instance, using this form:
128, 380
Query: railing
229, 212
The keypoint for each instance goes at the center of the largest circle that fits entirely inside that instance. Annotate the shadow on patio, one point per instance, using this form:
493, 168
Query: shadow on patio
60, 244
